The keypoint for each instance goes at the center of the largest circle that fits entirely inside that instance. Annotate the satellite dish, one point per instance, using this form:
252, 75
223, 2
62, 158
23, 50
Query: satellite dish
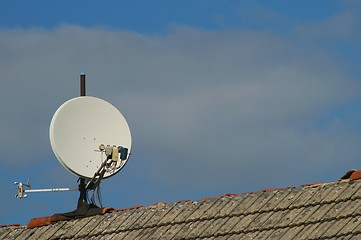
91, 139
83, 129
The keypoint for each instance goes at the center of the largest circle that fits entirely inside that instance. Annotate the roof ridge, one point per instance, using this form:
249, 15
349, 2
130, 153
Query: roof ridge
265, 190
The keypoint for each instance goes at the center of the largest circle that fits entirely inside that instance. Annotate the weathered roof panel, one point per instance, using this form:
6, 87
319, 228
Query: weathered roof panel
319, 211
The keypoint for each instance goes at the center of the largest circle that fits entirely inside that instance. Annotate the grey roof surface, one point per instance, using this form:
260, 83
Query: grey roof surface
320, 211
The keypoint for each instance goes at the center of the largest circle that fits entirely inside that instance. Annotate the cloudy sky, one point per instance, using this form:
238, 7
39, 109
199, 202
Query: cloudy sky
221, 96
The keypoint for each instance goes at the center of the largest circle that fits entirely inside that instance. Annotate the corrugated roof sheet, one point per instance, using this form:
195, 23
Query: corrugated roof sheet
319, 211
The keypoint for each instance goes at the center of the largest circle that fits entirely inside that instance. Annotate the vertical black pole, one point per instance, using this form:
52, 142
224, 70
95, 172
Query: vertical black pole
83, 206
82, 84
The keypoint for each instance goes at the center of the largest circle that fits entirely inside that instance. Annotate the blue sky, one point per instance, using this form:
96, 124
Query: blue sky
221, 96
156, 16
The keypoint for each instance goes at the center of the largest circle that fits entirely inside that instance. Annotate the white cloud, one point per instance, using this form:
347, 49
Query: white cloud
215, 107
343, 26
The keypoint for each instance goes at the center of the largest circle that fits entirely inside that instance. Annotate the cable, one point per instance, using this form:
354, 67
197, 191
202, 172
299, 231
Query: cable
99, 196
96, 197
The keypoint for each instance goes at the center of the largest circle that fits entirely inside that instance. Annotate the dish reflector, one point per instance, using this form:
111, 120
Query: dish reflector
79, 127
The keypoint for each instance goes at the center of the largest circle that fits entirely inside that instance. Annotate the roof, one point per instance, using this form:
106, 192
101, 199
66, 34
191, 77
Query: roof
314, 211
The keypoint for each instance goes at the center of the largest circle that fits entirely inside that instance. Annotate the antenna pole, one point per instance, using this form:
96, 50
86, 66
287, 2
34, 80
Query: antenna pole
82, 84
82, 206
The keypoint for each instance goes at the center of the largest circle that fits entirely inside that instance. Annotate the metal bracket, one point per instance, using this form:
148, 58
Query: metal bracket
113, 154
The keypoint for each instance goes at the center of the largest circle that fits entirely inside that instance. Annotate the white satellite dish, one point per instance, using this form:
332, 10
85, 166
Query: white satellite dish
77, 130
92, 140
